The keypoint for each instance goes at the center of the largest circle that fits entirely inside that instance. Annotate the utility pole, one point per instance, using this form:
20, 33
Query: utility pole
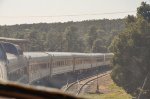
141, 91
97, 90
67, 80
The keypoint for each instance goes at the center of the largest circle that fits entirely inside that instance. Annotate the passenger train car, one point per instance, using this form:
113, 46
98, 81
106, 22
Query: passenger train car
27, 67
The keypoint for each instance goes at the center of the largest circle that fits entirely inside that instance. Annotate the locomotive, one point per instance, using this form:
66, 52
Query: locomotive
27, 67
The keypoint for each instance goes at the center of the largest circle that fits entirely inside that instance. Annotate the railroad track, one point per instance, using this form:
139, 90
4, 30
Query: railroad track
77, 86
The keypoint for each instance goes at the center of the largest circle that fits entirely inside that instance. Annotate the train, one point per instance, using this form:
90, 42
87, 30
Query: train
27, 67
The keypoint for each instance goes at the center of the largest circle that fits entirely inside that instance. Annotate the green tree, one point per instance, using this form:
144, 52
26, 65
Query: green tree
144, 11
132, 54
92, 35
33, 38
53, 41
99, 46
5, 32
72, 39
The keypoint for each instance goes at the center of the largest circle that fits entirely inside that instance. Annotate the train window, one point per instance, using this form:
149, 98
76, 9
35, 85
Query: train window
62, 63
43, 65
10, 48
48, 65
68, 62
99, 60
107, 58
59, 63
54, 63
74, 62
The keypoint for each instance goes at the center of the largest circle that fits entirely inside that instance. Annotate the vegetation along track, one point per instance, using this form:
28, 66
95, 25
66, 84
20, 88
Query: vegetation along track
77, 86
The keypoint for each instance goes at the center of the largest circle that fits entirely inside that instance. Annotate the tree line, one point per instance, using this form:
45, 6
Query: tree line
85, 36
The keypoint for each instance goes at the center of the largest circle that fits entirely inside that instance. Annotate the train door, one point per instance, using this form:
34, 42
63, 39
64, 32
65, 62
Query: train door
22, 60
23, 65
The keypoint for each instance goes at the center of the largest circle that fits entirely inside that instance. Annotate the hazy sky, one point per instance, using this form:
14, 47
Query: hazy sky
35, 11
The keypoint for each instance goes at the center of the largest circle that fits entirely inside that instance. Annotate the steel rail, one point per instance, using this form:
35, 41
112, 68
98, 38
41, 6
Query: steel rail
95, 77
90, 81
70, 85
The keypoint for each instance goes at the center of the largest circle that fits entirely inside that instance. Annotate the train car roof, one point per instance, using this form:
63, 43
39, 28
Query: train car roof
63, 54
13, 40
97, 54
109, 53
43, 55
80, 55
60, 53
36, 54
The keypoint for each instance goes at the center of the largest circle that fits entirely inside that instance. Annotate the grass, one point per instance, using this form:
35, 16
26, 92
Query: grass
115, 93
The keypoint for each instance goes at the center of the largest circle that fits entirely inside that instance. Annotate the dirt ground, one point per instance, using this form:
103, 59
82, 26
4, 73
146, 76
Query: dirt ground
104, 85
107, 89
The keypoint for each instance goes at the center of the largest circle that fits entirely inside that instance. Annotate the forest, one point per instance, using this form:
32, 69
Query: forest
86, 36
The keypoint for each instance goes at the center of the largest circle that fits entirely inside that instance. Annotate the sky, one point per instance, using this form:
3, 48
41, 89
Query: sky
49, 11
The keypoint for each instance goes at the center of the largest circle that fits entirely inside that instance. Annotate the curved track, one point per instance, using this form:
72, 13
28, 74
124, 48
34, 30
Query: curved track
77, 86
